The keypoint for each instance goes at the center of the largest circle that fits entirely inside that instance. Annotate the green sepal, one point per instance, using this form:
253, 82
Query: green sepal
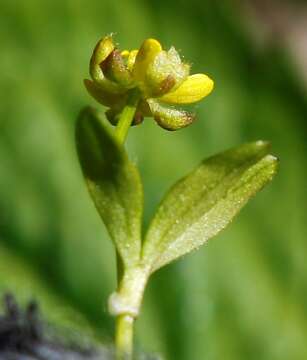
104, 97
204, 202
113, 182
115, 68
168, 117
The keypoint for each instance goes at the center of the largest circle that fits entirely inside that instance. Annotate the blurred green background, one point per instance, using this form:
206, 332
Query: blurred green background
244, 295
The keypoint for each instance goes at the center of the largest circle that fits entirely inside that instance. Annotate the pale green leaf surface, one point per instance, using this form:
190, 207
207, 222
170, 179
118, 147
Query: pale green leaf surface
203, 203
113, 182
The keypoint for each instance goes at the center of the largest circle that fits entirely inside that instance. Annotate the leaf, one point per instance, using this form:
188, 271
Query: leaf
113, 182
204, 202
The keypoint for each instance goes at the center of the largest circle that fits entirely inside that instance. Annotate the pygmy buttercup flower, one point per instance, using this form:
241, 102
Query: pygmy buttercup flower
159, 78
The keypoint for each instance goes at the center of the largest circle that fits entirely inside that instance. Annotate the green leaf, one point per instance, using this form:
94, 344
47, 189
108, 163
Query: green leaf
113, 182
203, 203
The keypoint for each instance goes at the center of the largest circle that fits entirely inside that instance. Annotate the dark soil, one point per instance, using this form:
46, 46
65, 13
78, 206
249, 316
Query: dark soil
25, 336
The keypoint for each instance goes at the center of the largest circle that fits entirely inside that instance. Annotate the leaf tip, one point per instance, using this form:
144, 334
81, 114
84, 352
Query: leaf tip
274, 161
87, 110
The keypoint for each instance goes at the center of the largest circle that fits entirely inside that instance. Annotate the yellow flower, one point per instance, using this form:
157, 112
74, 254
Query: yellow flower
160, 77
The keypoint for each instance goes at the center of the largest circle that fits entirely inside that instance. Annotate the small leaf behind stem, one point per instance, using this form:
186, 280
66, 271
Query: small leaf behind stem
204, 202
113, 182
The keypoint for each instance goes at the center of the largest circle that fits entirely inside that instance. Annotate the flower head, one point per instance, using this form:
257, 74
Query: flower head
160, 77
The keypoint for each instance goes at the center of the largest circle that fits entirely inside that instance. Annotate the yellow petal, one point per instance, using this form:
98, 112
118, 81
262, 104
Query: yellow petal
125, 53
131, 59
129, 56
193, 89
148, 51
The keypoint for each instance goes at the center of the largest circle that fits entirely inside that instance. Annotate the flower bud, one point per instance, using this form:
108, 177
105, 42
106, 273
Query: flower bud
159, 78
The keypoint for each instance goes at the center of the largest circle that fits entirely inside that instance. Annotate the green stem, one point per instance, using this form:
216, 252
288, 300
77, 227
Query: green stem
124, 323
125, 304
124, 337
126, 117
